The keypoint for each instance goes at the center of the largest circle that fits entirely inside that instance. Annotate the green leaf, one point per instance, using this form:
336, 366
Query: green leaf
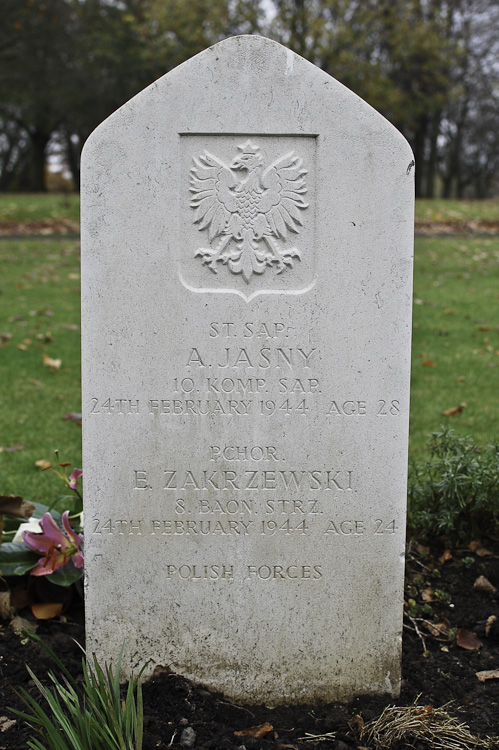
66, 576
16, 559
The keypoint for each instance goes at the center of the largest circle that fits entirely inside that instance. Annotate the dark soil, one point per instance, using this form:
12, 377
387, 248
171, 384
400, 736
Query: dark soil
436, 671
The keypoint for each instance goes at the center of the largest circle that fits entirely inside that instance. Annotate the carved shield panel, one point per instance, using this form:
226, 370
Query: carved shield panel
247, 214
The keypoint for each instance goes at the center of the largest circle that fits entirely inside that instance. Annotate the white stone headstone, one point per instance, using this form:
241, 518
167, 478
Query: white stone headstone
247, 228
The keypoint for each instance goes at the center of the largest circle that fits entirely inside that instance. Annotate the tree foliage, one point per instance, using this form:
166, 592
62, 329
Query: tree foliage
430, 66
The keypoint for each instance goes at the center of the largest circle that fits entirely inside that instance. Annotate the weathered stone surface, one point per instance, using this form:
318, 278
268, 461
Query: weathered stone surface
247, 255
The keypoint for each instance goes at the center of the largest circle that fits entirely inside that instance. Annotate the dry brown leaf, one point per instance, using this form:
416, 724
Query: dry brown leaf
447, 555
452, 411
428, 595
488, 674
47, 610
482, 552
258, 732
55, 364
436, 629
6, 724
6, 608
20, 625
474, 545
483, 584
429, 363
42, 463
73, 416
16, 506
484, 328
356, 723
490, 625
468, 640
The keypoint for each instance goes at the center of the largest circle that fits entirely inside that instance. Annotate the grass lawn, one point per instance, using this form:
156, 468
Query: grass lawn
39, 325
27, 207
440, 210
455, 358
455, 339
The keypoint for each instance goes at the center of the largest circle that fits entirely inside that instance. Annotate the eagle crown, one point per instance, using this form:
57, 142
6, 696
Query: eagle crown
249, 159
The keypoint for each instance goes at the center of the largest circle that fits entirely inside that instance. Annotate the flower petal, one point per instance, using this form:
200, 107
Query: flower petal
75, 538
73, 478
49, 537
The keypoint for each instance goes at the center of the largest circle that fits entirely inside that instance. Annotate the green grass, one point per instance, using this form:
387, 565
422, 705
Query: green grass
456, 327
442, 210
21, 206
39, 310
455, 338
29, 207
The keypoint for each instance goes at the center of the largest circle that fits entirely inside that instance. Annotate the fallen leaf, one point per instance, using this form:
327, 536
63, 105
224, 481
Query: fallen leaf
20, 625
42, 463
73, 416
356, 723
47, 610
422, 550
6, 608
16, 506
258, 732
484, 328
483, 584
436, 629
12, 448
447, 555
482, 552
429, 363
55, 364
37, 383
452, 411
488, 674
474, 545
468, 640
428, 595
490, 625
6, 724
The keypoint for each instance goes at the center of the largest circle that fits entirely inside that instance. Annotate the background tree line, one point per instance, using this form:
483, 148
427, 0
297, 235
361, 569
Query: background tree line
430, 66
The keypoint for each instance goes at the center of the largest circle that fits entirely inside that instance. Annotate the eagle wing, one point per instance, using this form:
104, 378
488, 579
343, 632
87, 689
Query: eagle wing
282, 202
211, 187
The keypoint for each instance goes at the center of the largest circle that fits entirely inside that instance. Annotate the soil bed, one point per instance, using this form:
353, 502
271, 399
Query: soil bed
442, 604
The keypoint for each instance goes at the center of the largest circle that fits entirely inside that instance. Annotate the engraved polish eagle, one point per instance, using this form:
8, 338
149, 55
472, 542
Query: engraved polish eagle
250, 207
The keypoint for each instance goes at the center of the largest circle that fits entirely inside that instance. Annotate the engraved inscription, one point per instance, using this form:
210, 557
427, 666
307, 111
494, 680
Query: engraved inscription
248, 209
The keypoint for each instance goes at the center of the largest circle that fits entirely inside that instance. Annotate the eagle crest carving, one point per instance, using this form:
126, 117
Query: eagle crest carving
248, 209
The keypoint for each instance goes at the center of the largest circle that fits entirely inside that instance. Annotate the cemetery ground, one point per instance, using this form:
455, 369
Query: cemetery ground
451, 597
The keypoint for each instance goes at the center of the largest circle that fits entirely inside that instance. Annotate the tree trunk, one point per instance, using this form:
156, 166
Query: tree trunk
35, 176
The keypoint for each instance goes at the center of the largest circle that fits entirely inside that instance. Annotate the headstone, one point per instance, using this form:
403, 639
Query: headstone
247, 232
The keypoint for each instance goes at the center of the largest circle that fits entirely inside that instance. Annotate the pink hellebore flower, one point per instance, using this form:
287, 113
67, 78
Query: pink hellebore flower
57, 546
73, 478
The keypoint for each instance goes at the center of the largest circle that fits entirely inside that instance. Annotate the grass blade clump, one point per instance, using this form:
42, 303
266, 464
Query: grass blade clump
90, 716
